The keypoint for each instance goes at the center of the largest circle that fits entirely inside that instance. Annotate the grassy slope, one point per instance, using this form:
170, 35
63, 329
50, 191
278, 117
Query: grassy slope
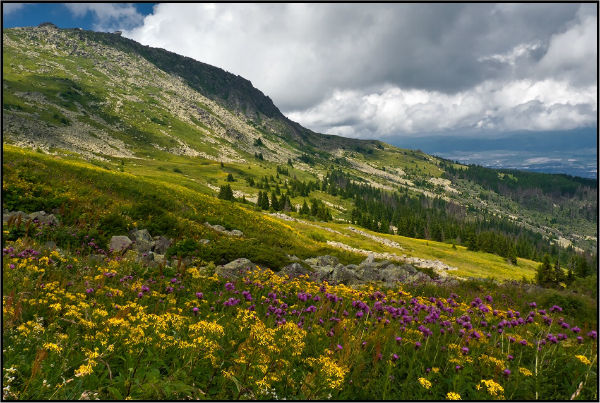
89, 193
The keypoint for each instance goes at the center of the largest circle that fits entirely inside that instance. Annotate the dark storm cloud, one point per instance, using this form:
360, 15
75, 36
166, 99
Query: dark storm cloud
376, 70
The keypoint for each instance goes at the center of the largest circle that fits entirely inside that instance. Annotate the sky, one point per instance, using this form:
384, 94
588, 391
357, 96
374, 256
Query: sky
379, 70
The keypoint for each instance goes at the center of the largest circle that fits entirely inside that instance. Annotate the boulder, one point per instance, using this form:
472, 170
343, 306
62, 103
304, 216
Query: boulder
322, 261
44, 218
204, 241
236, 232
119, 243
368, 273
161, 244
140, 235
369, 260
158, 258
294, 270
344, 275
14, 216
234, 269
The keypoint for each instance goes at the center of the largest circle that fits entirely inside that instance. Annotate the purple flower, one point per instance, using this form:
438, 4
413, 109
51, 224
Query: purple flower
510, 357
91, 290
173, 280
195, 310
359, 314
398, 339
575, 329
506, 372
532, 304
593, 334
339, 346
458, 367
229, 286
523, 342
199, 295
465, 350
579, 339
12, 266
140, 294
417, 345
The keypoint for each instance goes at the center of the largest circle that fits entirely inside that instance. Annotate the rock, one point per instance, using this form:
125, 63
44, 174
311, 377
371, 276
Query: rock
293, 258
142, 241
323, 273
159, 259
235, 269
370, 259
344, 275
44, 218
294, 270
204, 241
223, 230
161, 244
368, 273
14, 216
140, 235
119, 243
322, 261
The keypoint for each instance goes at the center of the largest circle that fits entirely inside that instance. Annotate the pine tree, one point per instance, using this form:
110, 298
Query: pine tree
557, 274
304, 210
274, 201
225, 192
544, 273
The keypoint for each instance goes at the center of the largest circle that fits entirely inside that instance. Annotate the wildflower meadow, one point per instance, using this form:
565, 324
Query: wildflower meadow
83, 325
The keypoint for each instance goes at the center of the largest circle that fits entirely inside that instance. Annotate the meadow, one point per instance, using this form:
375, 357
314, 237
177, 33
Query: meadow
87, 323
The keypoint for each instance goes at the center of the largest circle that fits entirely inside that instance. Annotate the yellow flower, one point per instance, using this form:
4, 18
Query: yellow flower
52, 347
452, 396
85, 369
425, 383
435, 370
492, 387
583, 359
525, 371
334, 373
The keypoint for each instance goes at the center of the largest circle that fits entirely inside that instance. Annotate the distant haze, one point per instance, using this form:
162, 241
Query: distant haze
572, 152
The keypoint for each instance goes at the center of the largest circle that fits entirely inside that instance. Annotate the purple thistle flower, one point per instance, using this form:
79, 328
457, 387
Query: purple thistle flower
140, 294
457, 367
417, 345
592, 334
398, 339
195, 310
465, 350
339, 346
579, 339
199, 295
510, 357
575, 329
523, 342
173, 280
395, 357
506, 372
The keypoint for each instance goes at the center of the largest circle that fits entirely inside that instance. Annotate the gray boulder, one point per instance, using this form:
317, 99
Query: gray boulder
161, 244
236, 232
14, 216
44, 218
234, 269
368, 273
344, 275
369, 260
142, 240
119, 243
294, 270
204, 241
322, 261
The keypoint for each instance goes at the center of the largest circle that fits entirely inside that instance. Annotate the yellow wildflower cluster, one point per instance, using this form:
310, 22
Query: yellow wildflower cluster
493, 388
452, 396
525, 371
583, 359
493, 361
425, 383
332, 373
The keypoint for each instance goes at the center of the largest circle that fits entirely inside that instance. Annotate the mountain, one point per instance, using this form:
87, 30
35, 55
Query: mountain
164, 121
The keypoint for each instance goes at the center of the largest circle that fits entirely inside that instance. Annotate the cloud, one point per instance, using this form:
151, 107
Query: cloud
381, 69
489, 106
9, 8
108, 16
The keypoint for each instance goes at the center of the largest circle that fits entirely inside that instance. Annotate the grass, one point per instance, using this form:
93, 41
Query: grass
77, 327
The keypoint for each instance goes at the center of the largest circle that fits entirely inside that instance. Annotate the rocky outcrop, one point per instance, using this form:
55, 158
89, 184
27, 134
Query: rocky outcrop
38, 216
223, 230
119, 243
235, 269
294, 270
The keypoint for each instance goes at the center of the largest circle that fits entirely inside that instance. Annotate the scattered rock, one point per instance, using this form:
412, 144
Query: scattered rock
294, 270
44, 218
322, 261
235, 269
161, 244
221, 229
344, 275
119, 243
14, 216
142, 240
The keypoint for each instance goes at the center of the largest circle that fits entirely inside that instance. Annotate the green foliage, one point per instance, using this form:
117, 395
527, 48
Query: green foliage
225, 192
